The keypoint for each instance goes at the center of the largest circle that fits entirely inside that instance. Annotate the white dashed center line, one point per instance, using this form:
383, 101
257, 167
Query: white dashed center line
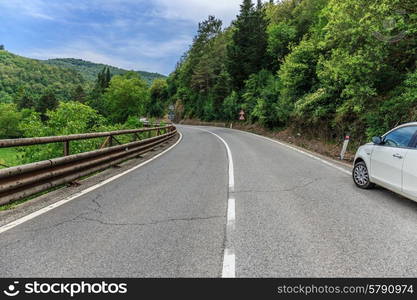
229, 260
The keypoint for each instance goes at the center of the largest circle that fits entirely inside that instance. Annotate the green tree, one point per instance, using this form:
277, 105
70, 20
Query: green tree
247, 52
79, 94
104, 78
72, 118
198, 68
47, 102
254, 91
280, 37
231, 107
95, 98
158, 98
9, 120
221, 89
25, 101
196, 81
126, 96
68, 118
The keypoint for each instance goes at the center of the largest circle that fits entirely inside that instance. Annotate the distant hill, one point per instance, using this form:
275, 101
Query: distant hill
20, 75
89, 70
24, 75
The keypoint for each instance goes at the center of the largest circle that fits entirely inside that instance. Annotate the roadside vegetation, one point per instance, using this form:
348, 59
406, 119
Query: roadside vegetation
40, 108
319, 68
325, 68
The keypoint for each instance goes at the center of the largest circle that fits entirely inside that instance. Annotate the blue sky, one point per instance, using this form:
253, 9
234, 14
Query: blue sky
132, 34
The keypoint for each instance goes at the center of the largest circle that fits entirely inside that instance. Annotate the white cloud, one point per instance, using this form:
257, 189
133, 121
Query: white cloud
192, 10
154, 49
198, 10
126, 38
132, 54
33, 8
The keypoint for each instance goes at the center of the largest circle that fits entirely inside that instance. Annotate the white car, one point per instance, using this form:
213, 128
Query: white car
389, 161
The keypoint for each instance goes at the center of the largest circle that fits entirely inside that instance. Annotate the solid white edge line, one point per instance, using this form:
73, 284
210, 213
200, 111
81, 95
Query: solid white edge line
289, 147
300, 151
229, 259
230, 158
79, 194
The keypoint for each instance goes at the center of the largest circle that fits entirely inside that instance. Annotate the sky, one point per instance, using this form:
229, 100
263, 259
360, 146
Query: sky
149, 35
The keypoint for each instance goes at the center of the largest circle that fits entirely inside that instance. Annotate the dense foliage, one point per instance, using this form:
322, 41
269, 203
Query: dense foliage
22, 77
325, 67
38, 99
126, 96
68, 118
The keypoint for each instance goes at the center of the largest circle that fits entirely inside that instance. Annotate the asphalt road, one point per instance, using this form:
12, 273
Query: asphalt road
292, 216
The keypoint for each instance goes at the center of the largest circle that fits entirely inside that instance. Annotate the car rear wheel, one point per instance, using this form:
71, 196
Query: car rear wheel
361, 176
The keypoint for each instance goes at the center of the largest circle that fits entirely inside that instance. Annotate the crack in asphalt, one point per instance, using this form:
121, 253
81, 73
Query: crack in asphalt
57, 224
98, 210
192, 219
292, 189
99, 206
89, 210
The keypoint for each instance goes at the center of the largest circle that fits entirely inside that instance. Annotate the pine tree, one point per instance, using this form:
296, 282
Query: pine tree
25, 102
1, 47
103, 79
107, 78
47, 102
79, 94
246, 53
102, 83
207, 30
259, 5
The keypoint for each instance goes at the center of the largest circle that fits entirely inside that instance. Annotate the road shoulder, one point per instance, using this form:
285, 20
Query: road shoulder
38, 203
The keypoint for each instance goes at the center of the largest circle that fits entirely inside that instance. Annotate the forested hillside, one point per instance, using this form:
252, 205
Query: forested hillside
324, 67
20, 77
90, 70
111, 103
37, 99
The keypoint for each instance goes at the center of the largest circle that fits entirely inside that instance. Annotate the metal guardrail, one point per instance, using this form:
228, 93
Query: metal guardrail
23, 181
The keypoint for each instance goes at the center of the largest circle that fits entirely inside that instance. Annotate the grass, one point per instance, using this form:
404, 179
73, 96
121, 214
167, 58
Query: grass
13, 204
9, 157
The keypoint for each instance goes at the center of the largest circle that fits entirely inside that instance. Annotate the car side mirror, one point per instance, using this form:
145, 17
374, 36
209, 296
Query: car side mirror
377, 140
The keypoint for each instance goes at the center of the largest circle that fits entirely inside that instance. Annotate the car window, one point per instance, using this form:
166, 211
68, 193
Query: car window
400, 137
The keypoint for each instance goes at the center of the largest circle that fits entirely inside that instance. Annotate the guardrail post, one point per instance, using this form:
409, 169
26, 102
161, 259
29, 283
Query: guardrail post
66, 148
136, 137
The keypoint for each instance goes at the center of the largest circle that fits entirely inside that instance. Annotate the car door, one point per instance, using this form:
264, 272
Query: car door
387, 159
410, 172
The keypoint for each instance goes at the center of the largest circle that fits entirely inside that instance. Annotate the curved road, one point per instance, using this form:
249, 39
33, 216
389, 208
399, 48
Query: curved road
256, 209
